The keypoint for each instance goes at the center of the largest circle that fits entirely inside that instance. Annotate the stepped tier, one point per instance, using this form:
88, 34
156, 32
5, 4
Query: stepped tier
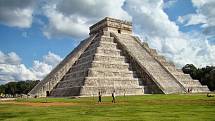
111, 59
93, 91
164, 73
160, 76
101, 66
52, 79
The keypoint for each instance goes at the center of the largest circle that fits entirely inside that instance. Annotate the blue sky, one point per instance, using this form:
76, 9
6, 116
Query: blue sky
37, 35
31, 44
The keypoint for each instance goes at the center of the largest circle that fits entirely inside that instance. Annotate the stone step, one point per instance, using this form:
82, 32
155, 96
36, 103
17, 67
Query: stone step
101, 72
157, 72
71, 79
160, 58
145, 45
191, 83
167, 64
205, 88
103, 44
108, 90
153, 52
107, 58
99, 81
175, 72
94, 90
111, 81
78, 73
122, 36
90, 51
88, 58
71, 83
110, 65
106, 33
107, 39
180, 70
198, 89
184, 77
171, 68
62, 92
108, 51
81, 66
107, 45
93, 45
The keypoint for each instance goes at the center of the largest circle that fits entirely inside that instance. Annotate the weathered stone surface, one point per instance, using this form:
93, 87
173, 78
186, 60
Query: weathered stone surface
111, 59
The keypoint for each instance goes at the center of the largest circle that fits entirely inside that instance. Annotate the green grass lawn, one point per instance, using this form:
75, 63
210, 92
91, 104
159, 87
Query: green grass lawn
146, 107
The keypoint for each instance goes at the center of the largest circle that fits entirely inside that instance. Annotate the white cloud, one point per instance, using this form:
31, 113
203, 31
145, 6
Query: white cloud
199, 3
42, 68
149, 18
169, 3
60, 25
11, 68
52, 59
14, 73
151, 22
16, 13
10, 58
205, 14
73, 18
192, 19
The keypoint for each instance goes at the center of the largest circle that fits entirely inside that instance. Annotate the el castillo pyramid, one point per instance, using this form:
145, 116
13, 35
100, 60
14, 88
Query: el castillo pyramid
112, 59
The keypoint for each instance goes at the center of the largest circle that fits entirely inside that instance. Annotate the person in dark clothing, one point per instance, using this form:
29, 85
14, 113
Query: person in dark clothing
100, 97
113, 97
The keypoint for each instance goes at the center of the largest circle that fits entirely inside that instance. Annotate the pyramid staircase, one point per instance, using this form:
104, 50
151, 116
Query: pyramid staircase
101, 67
111, 59
164, 73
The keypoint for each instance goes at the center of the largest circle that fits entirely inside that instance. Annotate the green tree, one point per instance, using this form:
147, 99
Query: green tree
205, 75
2, 89
20, 87
11, 88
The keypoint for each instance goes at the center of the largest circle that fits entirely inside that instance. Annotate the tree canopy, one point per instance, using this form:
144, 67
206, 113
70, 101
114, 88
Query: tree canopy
205, 75
20, 87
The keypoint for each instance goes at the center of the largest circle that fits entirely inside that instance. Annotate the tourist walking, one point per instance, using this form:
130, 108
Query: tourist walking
113, 97
100, 97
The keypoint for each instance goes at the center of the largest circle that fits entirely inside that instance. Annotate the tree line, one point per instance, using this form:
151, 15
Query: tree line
20, 87
205, 75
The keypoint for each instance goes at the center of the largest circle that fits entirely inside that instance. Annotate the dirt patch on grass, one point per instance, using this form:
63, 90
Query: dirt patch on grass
7, 99
110, 103
41, 104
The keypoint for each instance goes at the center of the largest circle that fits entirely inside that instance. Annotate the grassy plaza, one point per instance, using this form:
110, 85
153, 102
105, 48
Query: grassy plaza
196, 107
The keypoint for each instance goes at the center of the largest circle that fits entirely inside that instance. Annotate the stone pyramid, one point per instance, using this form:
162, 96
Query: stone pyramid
111, 59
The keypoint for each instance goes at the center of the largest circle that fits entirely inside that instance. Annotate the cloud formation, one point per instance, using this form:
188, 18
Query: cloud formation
11, 68
205, 15
17, 13
151, 22
73, 17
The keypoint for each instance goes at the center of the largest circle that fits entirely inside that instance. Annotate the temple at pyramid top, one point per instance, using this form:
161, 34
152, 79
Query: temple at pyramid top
111, 25
111, 60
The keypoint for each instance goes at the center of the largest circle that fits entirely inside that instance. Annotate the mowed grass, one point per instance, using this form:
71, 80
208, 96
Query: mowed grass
146, 107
